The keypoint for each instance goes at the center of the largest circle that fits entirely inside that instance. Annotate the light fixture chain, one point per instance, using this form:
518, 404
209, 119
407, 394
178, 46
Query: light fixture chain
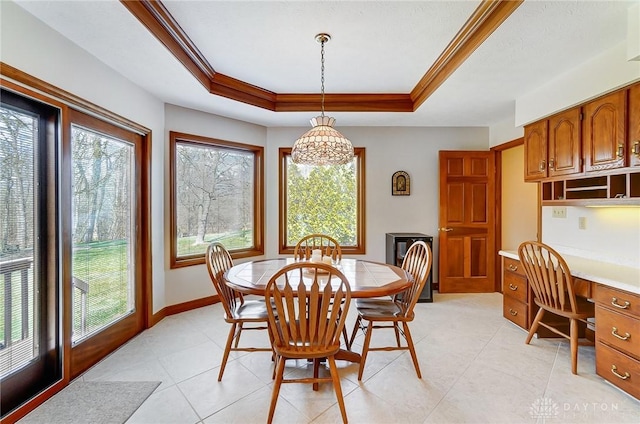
322, 75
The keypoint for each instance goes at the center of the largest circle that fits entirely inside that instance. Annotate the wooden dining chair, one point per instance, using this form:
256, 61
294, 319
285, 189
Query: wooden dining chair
237, 310
307, 322
327, 244
553, 287
396, 311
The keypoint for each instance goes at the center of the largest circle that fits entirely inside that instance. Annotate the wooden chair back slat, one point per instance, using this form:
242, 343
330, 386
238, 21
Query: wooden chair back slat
327, 244
218, 262
548, 275
417, 262
311, 314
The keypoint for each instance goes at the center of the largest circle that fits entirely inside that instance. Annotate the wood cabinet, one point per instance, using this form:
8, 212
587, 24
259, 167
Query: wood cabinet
618, 338
604, 132
634, 125
553, 147
515, 291
535, 151
565, 143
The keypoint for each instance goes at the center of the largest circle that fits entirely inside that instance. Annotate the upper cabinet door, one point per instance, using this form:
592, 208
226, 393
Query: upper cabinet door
634, 125
565, 143
535, 151
604, 133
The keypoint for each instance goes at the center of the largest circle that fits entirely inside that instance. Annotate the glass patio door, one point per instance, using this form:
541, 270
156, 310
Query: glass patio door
106, 292
30, 337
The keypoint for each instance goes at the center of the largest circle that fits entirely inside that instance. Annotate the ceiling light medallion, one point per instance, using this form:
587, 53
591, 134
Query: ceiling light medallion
322, 144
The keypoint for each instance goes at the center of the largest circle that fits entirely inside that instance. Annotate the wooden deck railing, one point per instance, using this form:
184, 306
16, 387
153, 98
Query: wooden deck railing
7, 270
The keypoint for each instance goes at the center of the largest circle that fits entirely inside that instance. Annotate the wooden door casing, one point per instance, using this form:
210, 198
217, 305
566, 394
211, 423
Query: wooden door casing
467, 222
604, 135
565, 142
535, 151
634, 125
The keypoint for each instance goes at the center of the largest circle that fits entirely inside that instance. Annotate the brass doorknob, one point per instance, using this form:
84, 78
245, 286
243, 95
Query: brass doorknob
445, 229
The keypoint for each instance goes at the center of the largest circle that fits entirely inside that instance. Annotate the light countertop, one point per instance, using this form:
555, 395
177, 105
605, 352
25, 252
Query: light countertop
618, 276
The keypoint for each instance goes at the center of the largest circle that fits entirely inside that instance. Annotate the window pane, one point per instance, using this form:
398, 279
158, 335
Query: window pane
103, 241
214, 197
322, 199
18, 150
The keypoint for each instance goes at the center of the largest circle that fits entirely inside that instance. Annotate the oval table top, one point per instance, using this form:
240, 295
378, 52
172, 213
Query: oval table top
366, 279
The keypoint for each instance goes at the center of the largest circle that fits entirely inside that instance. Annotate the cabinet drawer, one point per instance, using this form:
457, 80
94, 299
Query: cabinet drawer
618, 368
512, 265
514, 285
618, 330
514, 311
617, 300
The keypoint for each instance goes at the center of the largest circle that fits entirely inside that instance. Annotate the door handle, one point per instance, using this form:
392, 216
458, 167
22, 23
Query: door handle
445, 229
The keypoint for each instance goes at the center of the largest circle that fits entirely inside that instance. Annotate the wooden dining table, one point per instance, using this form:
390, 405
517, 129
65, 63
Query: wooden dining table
366, 279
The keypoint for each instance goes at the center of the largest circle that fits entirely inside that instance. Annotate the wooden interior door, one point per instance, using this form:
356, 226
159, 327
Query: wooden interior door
467, 222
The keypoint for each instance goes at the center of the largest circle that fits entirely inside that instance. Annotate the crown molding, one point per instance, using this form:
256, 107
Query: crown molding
489, 15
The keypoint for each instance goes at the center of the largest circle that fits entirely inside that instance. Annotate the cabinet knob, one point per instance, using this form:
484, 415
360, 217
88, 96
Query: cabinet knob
552, 164
512, 312
636, 148
620, 151
445, 229
512, 287
513, 267
543, 165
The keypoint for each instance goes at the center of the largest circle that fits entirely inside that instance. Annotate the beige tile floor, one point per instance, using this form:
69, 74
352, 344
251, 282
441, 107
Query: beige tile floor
475, 367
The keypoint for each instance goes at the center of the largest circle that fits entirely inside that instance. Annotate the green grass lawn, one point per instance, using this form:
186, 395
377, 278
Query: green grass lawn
237, 240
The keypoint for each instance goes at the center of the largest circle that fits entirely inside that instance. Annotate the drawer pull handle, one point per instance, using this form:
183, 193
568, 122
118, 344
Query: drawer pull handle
614, 332
512, 268
614, 370
512, 287
614, 302
512, 312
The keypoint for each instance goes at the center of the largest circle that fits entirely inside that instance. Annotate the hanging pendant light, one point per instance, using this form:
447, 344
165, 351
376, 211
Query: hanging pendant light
322, 144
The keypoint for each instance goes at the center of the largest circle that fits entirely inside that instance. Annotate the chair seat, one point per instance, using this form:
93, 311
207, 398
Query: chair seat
250, 310
383, 311
306, 352
585, 309
372, 302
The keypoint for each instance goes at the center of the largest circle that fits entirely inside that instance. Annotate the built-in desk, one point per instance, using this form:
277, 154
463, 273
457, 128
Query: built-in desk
614, 288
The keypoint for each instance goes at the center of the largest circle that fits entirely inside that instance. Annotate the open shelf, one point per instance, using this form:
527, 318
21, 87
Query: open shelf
614, 189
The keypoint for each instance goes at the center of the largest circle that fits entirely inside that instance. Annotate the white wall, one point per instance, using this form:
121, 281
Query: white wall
36, 49
193, 282
604, 73
504, 131
612, 234
388, 149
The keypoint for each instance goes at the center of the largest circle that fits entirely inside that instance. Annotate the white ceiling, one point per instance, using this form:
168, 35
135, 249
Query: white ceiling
376, 47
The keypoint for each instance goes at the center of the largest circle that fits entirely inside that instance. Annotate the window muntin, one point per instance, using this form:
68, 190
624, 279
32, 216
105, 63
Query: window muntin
326, 199
216, 196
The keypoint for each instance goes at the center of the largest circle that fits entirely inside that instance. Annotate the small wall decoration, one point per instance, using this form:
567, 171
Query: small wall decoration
400, 184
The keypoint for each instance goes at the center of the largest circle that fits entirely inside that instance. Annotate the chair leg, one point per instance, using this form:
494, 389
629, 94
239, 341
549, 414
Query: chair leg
316, 368
227, 349
276, 388
336, 387
239, 333
412, 349
534, 325
345, 336
355, 330
395, 328
573, 334
365, 349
